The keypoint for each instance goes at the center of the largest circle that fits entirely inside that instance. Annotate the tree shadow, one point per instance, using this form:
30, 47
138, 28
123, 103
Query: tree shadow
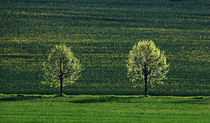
194, 100
19, 98
175, 0
104, 99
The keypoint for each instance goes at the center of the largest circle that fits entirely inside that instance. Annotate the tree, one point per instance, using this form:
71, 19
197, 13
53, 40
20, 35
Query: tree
61, 68
146, 63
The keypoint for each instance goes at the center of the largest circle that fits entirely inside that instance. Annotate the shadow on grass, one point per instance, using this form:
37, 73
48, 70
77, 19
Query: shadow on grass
195, 100
104, 99
19, 98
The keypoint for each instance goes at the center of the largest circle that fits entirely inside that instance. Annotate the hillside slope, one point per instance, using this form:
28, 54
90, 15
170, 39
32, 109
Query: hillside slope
101, 33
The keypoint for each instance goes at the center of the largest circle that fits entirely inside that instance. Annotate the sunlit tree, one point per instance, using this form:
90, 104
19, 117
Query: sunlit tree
146, 64
61, 68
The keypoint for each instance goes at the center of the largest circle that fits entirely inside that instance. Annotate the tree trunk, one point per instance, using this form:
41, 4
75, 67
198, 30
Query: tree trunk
61, 86
145, 79
61, 79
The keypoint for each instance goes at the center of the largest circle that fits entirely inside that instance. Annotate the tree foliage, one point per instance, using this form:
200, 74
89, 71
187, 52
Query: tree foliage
61, 68
146, 64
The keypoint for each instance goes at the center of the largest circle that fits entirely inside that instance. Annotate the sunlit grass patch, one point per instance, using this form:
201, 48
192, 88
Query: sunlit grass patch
106, 108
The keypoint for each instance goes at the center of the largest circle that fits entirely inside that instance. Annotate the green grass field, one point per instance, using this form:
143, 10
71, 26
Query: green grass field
101, 33
109, 108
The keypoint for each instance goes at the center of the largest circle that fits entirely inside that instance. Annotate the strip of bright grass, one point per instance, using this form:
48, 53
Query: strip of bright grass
103, 108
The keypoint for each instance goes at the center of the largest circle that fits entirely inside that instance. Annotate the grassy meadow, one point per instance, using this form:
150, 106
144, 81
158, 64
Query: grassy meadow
110, 108
101, 33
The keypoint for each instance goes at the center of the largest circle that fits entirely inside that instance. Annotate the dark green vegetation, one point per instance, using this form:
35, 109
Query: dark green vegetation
101, 34
48, 108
